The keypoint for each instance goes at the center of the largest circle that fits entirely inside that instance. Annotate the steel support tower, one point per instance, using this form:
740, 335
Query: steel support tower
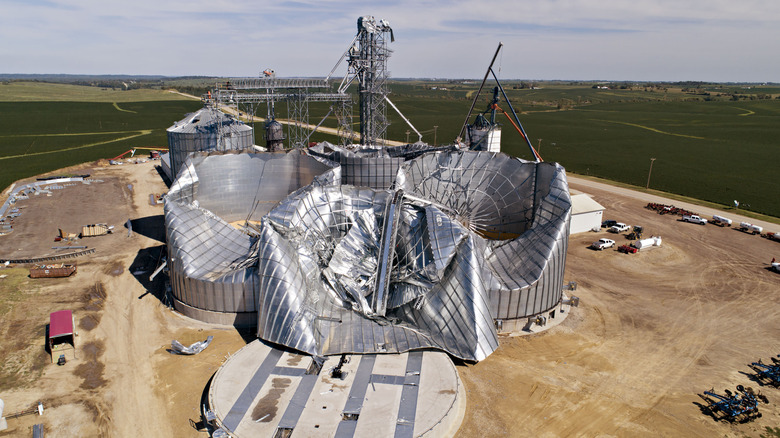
368, 62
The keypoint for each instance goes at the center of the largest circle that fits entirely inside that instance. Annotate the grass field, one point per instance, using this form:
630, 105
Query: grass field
46, 92
39, 137
717, 147
717, 151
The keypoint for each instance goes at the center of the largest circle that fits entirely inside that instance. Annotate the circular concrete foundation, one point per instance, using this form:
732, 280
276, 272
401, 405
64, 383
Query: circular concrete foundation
264, 391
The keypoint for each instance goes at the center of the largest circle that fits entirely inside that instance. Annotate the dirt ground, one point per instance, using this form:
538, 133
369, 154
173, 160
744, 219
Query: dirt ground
652, 330
123, 381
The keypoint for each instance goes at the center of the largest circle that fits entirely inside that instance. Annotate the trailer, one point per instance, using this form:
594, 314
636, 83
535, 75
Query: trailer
61, 335
721, 221
750, 228
93, 230
52, 271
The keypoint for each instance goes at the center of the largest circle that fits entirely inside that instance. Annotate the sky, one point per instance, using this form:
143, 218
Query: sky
631, 40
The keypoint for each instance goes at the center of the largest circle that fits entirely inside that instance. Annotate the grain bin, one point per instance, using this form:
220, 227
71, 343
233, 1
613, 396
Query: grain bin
206, 130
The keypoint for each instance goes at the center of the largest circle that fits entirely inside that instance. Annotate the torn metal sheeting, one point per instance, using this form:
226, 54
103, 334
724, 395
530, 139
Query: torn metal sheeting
178, 348
427, 253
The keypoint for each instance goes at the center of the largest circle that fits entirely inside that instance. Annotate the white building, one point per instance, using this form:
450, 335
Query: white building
586, 214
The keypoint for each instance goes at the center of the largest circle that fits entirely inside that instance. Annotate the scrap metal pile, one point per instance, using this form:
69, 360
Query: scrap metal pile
428, 254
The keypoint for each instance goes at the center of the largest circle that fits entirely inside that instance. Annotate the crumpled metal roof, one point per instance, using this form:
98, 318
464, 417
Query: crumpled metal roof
465, 239
460, 239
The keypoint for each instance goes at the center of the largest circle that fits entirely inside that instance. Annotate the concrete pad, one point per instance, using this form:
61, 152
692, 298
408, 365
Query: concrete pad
260, 390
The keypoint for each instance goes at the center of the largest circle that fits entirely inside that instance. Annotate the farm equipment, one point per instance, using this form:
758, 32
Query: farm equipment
628, 249
741, 406
772, 236
767, 374
636, 233
668, 209
116, 159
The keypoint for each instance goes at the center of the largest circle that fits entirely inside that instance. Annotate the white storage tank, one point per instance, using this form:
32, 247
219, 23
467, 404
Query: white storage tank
647, 243
720, 220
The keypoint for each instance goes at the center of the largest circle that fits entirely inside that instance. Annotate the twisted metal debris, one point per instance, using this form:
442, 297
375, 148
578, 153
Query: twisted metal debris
429, 254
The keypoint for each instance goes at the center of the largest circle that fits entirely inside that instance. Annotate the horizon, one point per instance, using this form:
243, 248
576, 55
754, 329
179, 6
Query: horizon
23, 76
646, 40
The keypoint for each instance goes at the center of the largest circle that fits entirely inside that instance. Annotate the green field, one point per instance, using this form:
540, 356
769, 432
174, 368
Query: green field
39, 137
46, 92
718, 150
711, 142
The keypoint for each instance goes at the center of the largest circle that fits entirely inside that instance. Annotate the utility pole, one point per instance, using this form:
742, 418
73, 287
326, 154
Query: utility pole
435, 128
407, 136
539, 146
647, 186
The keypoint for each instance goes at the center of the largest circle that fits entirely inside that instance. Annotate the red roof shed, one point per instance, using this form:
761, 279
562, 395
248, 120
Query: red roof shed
61, 332
60, 323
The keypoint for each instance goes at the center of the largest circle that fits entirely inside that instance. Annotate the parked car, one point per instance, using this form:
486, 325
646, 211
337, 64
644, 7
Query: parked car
694, 219
619, 227
601, 244
608, 223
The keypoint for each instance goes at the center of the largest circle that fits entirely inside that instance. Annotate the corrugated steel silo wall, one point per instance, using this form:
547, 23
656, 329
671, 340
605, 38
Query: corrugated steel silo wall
181, 144
524, 206
531, 267
209, 260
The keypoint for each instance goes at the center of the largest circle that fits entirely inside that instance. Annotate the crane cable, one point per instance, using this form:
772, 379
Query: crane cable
519, 131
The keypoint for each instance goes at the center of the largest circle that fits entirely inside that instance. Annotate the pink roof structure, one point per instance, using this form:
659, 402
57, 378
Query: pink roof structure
60, 323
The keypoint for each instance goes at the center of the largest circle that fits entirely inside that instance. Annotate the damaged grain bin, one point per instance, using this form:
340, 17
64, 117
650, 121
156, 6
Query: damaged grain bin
435, 256
211, 212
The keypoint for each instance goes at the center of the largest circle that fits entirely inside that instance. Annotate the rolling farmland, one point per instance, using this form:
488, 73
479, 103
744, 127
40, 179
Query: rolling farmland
708, 144
39, 137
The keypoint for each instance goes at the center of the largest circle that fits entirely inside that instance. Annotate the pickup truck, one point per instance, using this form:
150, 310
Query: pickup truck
618, 228
692, 218
602, 244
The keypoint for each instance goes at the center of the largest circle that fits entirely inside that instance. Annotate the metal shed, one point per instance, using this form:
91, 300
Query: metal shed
62, 335
586, 214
